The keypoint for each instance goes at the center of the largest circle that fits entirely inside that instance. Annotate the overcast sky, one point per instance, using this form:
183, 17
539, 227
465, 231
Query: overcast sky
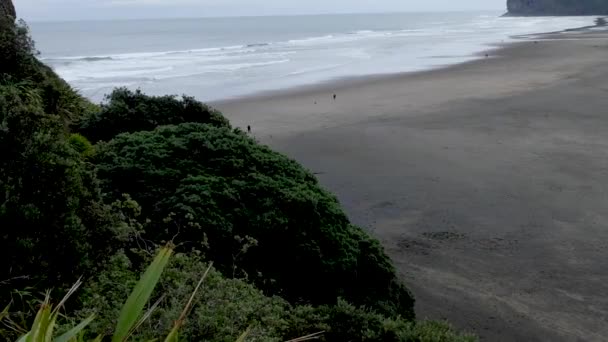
122, 9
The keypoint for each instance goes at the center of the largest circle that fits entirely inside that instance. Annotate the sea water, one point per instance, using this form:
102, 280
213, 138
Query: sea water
220, 58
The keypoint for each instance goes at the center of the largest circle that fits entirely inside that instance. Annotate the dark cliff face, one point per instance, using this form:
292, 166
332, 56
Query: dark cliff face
7, 9
557, 7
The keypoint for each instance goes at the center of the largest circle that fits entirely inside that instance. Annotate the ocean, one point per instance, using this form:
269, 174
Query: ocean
222, 58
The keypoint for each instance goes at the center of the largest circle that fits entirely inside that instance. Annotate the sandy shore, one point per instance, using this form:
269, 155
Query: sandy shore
487, 181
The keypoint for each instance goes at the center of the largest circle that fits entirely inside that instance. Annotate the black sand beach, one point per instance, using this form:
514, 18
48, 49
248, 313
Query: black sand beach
487, 181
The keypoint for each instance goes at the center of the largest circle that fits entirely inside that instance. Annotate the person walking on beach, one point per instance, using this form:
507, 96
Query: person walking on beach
335, 97
249, 129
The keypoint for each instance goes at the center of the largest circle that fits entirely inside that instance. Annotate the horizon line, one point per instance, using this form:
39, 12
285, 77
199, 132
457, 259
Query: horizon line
252, 16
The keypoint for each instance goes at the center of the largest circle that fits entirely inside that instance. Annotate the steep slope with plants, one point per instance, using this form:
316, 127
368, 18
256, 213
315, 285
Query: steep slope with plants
232, 186
170, 170
51, 211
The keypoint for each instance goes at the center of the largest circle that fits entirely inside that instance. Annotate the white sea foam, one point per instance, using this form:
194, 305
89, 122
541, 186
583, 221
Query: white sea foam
228, 62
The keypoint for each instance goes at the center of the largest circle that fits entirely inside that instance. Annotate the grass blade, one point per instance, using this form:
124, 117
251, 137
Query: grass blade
41, 322
244, 335
310, 337
24, 338
75, 330
133, 307
8, 323
4, 314
49, 324
68, 295
146, 315
172, 337
188, 306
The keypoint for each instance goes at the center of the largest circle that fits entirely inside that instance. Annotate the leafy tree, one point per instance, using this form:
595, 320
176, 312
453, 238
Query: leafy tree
306, 248
132, 111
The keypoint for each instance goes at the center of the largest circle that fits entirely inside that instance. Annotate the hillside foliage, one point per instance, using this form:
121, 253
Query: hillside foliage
127, 111
233, 187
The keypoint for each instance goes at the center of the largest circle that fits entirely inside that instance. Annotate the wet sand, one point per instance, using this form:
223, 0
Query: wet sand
487, 182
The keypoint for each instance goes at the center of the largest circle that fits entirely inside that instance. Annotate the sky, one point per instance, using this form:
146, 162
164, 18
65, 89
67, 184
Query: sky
51, 10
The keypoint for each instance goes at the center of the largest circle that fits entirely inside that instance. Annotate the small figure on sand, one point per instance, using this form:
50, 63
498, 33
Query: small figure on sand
249, 129
335, 96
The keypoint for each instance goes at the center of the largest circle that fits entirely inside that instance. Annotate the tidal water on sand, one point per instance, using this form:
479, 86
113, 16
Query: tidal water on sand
219, 58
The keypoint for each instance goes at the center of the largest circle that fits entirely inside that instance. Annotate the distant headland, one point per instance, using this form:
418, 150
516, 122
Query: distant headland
556, 7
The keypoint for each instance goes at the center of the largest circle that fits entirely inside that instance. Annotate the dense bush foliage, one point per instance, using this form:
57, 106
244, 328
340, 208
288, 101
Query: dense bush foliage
232, 186
345, 322
228, 307
50, 207
131, 111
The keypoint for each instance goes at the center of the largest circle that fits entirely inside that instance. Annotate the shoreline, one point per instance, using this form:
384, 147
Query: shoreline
319, 92
348, 81
227, 69
492, 50
485, 181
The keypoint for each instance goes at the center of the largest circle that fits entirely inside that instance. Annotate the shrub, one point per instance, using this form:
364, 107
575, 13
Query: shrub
127, 111
223, 308
232, 186
81, 145
346, 322
129, 319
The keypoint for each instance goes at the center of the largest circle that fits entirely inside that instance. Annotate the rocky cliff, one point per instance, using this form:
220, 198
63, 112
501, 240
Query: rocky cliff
557, 7
7, 9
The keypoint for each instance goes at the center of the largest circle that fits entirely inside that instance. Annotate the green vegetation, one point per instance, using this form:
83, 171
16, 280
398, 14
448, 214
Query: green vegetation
126, 111
230, 310
233, 186
89, 191
51, 212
